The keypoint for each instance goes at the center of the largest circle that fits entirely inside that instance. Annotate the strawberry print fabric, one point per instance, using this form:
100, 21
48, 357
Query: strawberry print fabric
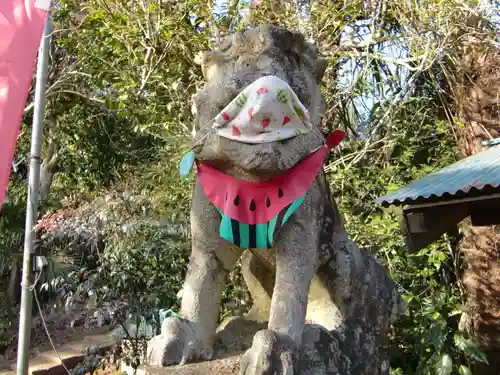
267, 110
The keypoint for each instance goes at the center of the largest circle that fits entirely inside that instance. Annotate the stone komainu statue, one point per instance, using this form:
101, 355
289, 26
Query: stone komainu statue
328, 303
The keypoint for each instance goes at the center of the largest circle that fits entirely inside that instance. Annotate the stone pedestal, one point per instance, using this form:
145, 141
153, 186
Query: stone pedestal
352, 352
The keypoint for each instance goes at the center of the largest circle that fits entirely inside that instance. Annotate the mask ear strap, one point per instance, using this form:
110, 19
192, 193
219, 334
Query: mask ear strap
319, 135
202, 138
212, 129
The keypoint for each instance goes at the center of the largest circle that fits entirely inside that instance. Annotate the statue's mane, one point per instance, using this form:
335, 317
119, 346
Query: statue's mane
257, 40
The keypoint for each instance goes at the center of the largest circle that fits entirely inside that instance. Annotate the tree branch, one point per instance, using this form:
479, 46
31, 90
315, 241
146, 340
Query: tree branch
30, 106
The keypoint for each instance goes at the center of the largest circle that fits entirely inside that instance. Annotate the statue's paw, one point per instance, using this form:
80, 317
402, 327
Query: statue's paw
271, 354
177, 344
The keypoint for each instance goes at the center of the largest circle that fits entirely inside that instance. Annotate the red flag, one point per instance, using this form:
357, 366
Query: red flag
21, 29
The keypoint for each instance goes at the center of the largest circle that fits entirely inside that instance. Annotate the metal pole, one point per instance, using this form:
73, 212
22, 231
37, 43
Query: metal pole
33, 199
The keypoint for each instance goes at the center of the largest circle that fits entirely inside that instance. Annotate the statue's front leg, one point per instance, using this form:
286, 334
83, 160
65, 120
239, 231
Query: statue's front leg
191, 336
274, 351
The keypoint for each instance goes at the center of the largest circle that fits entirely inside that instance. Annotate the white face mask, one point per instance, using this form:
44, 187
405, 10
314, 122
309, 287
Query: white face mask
266, 111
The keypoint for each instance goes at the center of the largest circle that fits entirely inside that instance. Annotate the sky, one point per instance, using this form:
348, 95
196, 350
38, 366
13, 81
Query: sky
349, 71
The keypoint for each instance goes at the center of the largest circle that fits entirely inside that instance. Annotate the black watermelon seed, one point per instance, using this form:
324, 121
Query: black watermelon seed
252, 205
280, 192
237, 200
268, 202
226, 195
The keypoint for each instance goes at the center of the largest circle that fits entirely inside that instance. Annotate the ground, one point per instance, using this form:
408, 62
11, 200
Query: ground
224, 366
69, 344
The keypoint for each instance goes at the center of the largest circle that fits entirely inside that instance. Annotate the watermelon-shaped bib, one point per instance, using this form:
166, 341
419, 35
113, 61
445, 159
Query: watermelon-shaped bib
254, 212
259, 202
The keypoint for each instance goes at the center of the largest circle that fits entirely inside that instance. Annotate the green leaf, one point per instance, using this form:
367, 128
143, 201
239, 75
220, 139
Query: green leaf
463, 370
460, 342
470, 348
444, 365
437, 333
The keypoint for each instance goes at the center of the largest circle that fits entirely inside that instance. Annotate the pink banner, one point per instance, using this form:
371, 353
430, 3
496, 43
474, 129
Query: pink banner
21, 29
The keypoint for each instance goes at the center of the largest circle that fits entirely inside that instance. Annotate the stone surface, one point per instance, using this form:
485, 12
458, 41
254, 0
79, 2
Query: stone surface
322, 353
224, 366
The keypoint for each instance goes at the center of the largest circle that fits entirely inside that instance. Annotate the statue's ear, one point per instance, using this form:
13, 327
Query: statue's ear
320, 69
207, 62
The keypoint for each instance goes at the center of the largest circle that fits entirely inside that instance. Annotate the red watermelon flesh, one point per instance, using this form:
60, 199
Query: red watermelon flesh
334, 138
259, 202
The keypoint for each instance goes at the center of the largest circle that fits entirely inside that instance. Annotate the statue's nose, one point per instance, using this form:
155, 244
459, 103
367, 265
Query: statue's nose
262, 108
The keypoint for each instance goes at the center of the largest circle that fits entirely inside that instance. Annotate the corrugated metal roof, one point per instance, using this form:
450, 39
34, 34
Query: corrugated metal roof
476, 175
